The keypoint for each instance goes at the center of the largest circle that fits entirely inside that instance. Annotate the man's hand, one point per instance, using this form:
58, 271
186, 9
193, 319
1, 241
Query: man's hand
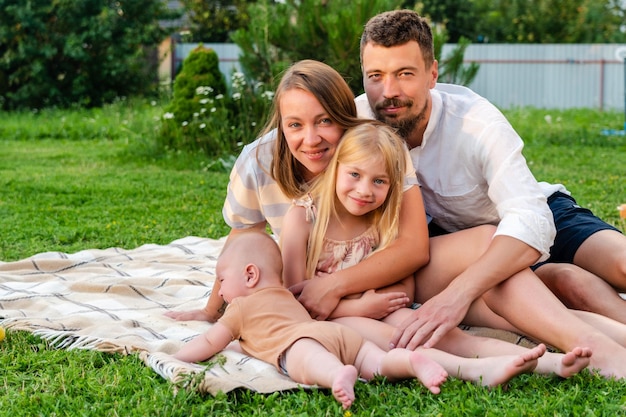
316, 296
430, 322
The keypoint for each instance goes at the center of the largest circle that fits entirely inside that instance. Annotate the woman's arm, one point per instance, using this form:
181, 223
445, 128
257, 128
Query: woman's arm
294, 241
400, 259
215, 305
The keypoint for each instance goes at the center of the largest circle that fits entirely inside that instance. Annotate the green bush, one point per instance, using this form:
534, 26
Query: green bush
88, 52
200, 69
203, 116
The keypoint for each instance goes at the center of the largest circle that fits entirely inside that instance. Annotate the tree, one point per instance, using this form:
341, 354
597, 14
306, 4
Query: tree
551, 21
459, 17
324, 30
214, 21
64, 52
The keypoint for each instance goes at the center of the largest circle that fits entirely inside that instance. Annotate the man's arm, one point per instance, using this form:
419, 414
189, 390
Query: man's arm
401, 258
504, 257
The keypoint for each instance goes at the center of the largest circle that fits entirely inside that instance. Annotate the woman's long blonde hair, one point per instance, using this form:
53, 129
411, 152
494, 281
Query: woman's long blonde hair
359, 145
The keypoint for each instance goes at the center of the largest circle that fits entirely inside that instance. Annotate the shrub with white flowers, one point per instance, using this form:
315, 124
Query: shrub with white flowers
208, 117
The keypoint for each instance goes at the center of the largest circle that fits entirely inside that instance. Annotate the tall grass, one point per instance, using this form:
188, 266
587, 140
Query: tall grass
83, 179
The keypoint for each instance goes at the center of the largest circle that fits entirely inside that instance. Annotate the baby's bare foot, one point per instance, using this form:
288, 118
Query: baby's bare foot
343, 386
429, 372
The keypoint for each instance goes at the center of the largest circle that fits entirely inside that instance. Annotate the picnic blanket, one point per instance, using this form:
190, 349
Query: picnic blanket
114, 300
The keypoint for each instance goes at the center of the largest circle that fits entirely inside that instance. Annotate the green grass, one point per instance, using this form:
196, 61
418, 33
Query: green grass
83, 179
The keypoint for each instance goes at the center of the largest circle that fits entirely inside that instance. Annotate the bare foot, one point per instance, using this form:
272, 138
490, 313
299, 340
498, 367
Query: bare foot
429, 372
574, 361
506, 367
343, 385
571, 363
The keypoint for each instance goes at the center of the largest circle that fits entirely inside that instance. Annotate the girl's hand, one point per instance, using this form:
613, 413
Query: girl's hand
370, 304
379, 305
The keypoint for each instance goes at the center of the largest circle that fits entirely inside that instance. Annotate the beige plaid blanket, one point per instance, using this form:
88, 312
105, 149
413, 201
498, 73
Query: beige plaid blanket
114, 300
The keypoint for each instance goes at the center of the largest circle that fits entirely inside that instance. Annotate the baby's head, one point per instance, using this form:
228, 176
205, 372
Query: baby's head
249, 261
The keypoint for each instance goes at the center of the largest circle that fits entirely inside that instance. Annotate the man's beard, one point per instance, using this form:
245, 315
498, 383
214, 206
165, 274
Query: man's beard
404, 126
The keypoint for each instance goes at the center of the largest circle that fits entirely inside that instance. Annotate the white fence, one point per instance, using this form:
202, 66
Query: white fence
513, 75
550, 75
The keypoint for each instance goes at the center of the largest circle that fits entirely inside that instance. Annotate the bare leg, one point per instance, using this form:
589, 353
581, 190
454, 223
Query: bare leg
308, 362
604, 254
398, 364
614, 329
489, 371
579, 289
527, 303
457, 342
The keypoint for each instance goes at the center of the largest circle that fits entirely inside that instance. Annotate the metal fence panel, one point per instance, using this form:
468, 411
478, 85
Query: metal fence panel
549, 75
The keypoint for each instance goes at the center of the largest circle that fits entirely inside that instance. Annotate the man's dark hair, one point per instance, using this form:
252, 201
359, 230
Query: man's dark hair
398, 27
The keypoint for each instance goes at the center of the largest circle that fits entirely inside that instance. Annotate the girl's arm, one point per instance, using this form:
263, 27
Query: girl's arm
401, 258
205, 345
294, 241
373, 304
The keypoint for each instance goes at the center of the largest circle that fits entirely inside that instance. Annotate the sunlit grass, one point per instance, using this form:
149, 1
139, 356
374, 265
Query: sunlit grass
86, 179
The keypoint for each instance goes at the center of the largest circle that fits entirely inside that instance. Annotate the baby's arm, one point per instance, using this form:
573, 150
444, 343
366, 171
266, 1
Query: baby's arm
205, 345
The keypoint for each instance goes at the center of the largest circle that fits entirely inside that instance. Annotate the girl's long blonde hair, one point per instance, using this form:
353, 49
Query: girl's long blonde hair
359, 145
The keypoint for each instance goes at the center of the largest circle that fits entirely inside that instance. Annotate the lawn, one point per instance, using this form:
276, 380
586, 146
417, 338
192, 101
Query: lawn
84, 179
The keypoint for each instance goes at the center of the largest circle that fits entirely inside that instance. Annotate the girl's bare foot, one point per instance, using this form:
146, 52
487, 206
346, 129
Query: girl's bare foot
343, 385
565, 364
428, 372
506, 367
574, 361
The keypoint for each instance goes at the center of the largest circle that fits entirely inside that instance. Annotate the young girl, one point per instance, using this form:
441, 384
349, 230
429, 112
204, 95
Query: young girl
352, 210
356, 210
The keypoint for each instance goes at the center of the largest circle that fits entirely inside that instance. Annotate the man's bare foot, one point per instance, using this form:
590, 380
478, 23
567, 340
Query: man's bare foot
564, 364
428, 372
506, 367
343, 385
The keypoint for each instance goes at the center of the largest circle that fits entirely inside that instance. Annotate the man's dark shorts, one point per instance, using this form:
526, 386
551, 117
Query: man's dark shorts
574, 225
